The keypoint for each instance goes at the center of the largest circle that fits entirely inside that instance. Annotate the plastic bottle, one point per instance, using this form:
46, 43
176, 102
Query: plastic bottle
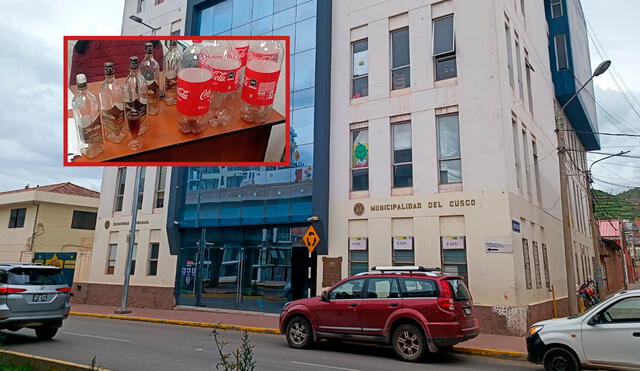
194, 89
224, 63
242, 47
260, 80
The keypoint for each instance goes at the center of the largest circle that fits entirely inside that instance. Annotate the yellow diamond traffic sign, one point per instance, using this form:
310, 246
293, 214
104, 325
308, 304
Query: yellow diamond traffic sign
311, 239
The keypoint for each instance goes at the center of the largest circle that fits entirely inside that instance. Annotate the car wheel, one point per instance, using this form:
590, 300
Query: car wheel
299, 333
409, 343
560, 359
46, 332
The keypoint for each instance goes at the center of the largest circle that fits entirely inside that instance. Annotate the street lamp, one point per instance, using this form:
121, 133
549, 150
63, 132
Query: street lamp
566, 218
139, 20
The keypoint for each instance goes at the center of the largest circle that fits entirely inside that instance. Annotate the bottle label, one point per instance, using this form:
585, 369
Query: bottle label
113, 119
139, 106
259, 88
193, 97
170, 83
224, 80
92, 133
244, 52
153, 92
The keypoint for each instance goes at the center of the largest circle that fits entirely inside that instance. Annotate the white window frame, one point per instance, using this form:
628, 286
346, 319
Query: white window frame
553, 14
365, 76
392, 68
393, 160
566, 51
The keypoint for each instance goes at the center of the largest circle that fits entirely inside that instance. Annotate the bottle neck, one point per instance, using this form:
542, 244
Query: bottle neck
109, 78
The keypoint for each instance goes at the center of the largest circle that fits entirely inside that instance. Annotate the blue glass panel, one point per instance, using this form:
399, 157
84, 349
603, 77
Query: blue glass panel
242, 30
189, 212
306, 11
280, 5
206, 21
222, 17
302, 159
302, 1
208, 215
305, 35
225, 33
288, 31
229, 213
305, 66
303, 98
302, 124
262, 8
261, 26
277, 211
301, 208
284, 18
242, 12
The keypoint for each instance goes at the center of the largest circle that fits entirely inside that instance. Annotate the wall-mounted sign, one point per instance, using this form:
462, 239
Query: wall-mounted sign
358, 208
403, 243
515, 226
358, 243
452, 242
498, 245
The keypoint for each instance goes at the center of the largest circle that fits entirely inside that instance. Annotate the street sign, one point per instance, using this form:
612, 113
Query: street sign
515, 226
498, 245
311, 239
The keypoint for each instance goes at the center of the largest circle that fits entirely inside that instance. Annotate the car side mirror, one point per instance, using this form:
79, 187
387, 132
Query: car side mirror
323, 296
596, 319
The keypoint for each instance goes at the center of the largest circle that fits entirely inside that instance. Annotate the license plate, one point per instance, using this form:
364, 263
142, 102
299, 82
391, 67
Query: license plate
467, 311
39, 298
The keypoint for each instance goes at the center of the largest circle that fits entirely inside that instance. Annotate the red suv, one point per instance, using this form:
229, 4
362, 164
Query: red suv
412, 308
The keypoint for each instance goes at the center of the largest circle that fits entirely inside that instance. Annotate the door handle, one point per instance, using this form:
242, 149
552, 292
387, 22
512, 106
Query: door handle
353, 305
393, 304
636, 334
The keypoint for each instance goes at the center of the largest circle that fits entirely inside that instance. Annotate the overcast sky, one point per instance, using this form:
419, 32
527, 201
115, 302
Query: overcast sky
31, 89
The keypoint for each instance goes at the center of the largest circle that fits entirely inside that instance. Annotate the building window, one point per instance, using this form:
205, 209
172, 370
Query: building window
507, 32
134, 252
453, 253
556, 8
83, 220
527, 173
360, 159
536, 170
160, 186
545, 264
562, 61
358, 255
143, 170
400, 74
152, 264
516, 151
519, 67
16, 218
142, 5
111, 258
120, 183
528, 69
403, 253
524, 13
444, 48
536, 264
402, 168
527, 263
360, 69
449, 157
175, 27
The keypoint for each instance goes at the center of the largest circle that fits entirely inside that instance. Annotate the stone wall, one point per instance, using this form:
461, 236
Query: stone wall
515, 320
110, 295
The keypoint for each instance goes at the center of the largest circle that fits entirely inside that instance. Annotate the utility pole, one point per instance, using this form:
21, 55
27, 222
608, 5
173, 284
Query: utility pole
624, 256
132, 239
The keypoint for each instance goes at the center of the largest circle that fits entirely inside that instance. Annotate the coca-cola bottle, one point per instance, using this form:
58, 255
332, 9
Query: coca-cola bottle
112, 106
135, 98
150, 70
260, 80
224, 63
86, 113
171, 67
194, 89
242, 47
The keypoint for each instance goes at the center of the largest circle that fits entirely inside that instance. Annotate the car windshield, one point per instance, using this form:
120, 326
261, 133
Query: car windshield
35, 276
460, 291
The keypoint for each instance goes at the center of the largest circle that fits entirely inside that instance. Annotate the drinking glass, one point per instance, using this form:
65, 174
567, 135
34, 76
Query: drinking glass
133, 121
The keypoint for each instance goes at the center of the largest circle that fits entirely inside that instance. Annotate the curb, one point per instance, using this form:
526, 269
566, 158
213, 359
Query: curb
39, 363
221, 326
493, 353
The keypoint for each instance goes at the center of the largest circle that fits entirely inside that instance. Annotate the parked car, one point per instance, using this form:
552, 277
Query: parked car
414, 309
33, 296
607, 336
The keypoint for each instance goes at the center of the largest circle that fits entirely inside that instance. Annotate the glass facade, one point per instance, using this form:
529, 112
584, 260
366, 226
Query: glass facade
241, 226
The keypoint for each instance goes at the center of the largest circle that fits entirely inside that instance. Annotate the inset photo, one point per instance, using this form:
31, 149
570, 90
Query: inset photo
131, 100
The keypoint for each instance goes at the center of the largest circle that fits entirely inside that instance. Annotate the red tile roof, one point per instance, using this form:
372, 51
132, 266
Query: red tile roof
609, 228
64, 188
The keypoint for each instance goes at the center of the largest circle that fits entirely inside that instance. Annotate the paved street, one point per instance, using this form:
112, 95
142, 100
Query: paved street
126, 345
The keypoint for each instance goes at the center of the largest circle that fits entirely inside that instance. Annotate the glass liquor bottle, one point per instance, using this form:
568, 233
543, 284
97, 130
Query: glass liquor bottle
135, 98
86, 113
150, 70
170, 68
112, 106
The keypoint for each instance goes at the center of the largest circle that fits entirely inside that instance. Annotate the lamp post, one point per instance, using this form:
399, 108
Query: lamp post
139, 20
566, 217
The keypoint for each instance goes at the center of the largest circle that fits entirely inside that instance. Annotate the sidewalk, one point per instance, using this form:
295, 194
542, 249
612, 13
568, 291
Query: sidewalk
497, 346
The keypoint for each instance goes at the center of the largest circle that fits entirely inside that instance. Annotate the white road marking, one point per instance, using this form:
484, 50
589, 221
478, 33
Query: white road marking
199, 349
96, 336
324, 366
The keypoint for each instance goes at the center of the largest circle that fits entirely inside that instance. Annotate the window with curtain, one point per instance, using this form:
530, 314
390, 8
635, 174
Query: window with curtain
449, 156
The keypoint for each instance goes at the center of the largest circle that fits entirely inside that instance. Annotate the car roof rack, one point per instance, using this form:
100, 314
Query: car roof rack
401, 269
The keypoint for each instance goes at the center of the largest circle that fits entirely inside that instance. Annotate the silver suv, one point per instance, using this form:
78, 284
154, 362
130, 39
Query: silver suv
33, 296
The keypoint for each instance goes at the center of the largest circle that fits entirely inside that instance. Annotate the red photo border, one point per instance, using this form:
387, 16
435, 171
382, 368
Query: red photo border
65, 87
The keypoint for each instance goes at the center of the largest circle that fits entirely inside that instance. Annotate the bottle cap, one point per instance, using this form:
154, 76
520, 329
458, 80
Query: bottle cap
133, 62
148, 48
108, 68
81, 78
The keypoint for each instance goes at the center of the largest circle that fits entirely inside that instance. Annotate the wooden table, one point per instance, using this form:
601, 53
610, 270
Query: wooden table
239, 141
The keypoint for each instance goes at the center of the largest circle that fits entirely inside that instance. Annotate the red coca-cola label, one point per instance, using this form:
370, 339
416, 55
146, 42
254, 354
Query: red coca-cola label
259, 88
224, 80
243, 51
194, 91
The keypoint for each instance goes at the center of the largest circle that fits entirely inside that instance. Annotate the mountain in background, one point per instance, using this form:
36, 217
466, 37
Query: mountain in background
625, 205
